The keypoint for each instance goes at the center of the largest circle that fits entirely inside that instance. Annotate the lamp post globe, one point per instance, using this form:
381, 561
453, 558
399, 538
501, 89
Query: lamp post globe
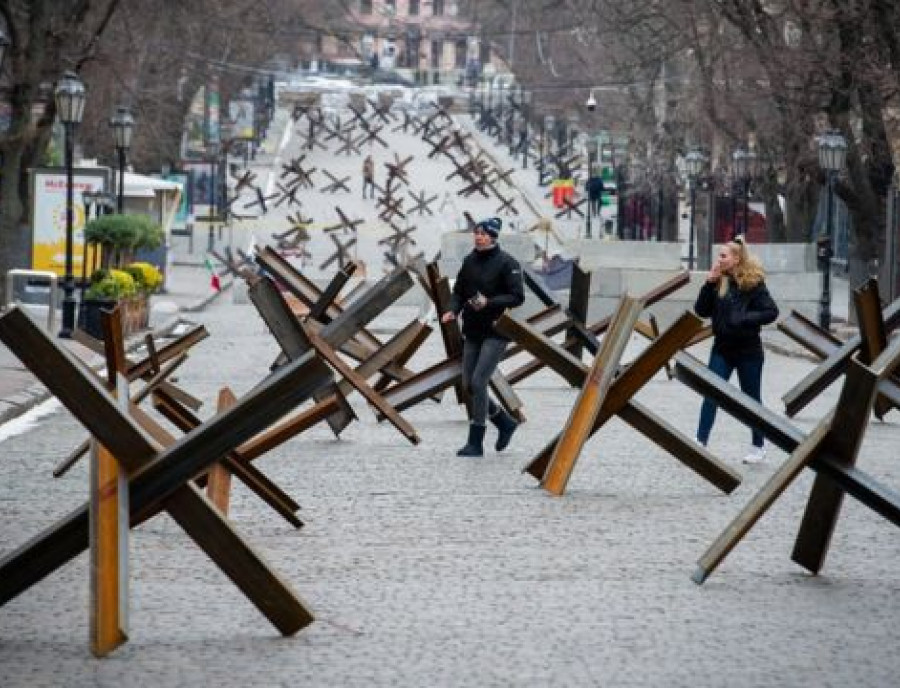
122, 124
69, 97
832, 156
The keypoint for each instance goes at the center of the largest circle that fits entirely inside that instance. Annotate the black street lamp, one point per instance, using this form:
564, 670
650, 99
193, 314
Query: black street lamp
744, 167
832, 154
122, 124
694, 162
70, 108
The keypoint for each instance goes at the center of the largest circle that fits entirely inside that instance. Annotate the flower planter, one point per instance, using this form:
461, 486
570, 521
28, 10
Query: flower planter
135, 315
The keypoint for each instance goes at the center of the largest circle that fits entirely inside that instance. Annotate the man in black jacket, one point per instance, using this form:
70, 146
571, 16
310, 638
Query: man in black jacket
489, 282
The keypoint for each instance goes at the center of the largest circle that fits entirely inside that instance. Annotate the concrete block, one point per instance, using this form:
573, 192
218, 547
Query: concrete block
780, 258
455, 246
239, 294
627, 254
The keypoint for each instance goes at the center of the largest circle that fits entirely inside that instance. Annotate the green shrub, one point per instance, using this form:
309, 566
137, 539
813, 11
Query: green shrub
121, 235
116, 284
147, 277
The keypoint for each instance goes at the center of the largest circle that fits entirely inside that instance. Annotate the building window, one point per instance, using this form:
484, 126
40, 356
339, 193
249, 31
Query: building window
462, 49
391, 5
437, 7
411, 55
365, 6
413, 8
437, 50
484, 52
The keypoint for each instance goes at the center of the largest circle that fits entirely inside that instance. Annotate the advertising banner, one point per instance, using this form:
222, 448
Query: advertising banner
213, 119
242, 116
182, 215
195, 123
202, 188
48, 213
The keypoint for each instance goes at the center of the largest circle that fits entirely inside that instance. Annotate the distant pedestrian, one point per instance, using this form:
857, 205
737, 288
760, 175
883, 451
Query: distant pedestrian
488, 283
735, 297
368, 173
595, 194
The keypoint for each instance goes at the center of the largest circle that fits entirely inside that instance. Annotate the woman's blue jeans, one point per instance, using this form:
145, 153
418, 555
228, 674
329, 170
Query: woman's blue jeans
749, 370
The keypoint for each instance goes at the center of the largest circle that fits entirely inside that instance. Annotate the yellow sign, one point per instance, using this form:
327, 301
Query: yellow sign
48, 229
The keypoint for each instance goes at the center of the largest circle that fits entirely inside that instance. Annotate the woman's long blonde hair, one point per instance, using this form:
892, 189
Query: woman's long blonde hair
748, 272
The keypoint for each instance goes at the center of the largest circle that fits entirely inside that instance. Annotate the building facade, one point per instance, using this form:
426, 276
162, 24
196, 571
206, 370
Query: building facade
427, 40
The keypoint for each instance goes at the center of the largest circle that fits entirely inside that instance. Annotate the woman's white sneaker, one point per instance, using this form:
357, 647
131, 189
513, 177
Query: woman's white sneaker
756, 455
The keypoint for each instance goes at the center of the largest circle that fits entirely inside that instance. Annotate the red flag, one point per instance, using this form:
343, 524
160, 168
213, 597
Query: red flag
213, 276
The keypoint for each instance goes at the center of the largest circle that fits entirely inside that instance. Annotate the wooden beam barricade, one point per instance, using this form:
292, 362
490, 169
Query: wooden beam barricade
834, 363
830, 449
358, 382
319, 309
439, 287
63, 466
619, 399
305, 290
218, 486
159, 478
218, 479
593, 393
109, 513
653, 296
579, 299
438, 377
292, 340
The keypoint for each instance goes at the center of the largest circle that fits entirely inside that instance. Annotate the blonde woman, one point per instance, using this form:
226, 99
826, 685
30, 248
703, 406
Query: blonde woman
735, 297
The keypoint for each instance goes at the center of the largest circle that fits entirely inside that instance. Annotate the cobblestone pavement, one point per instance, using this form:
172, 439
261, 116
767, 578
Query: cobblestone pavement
426, 569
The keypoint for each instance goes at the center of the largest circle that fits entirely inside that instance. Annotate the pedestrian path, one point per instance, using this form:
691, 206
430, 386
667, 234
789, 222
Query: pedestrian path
424, 569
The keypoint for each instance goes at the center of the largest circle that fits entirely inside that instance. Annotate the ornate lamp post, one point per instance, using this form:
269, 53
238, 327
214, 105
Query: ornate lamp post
70, 108
122, 124
832, 155
694, 162
744, 168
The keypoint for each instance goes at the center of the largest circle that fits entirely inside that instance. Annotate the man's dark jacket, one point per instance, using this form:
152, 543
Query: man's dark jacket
495, 274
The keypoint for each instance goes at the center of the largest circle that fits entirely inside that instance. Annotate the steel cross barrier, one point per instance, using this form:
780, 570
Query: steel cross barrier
831, 448
43, 274
836, 355
159, 479
616, 400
